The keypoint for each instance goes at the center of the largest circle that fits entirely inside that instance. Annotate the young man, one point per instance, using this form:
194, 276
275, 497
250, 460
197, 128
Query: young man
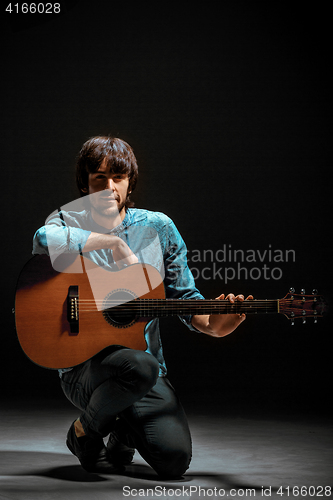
122, 392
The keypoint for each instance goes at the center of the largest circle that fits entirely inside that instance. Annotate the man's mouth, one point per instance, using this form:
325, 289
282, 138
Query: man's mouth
106, 197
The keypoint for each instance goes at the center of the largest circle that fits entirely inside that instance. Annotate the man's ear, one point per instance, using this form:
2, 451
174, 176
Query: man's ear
84, 190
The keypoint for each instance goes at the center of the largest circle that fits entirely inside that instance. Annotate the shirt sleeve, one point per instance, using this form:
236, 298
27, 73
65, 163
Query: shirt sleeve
179, 282
57, 236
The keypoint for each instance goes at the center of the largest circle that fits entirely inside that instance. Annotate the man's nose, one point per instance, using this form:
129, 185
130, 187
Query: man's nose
110, 184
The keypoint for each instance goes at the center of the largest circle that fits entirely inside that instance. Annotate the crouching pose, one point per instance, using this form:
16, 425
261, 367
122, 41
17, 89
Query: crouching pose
121, 392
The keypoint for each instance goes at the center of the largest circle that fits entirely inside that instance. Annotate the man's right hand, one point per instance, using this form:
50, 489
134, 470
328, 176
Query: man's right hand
122, 254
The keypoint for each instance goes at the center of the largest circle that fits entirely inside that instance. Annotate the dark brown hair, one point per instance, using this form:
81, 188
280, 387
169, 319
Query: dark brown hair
119, 158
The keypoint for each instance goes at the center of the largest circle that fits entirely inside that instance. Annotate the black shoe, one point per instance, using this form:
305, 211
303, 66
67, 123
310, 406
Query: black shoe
92, 453
119, 446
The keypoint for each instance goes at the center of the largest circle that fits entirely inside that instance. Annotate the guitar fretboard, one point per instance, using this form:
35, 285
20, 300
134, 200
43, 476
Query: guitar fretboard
174, 307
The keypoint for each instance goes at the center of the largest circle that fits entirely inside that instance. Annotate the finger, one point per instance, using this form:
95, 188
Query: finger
127, 261
221, 297
240, 297
230, 297
131, 259
249, 297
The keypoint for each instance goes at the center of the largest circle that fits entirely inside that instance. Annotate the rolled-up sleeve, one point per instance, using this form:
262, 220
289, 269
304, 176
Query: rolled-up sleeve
56, 237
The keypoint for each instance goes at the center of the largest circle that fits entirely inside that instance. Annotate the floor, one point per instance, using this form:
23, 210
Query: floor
238, 457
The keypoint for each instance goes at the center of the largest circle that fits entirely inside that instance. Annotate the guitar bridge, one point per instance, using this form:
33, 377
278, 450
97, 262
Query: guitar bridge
73, 309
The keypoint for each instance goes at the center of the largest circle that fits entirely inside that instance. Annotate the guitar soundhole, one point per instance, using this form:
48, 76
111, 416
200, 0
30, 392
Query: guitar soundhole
117, 310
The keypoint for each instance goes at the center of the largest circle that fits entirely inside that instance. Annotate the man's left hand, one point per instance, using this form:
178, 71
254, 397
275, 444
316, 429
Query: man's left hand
219, 325
223, 324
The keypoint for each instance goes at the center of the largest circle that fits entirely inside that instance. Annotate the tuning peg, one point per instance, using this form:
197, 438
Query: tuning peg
304, 321
292, 322
303, 291
314, 291
292, 290
315, 321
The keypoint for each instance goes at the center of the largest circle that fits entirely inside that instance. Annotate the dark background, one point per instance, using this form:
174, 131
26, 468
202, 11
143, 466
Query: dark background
228, 108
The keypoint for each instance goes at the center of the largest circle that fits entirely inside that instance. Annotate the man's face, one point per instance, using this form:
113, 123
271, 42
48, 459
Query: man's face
108, 192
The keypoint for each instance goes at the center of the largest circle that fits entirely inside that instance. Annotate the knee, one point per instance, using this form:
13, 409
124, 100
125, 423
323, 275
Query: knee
144, 369
174, 464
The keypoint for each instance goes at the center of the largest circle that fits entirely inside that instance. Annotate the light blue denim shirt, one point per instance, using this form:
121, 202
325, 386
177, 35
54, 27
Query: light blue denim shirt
152, 236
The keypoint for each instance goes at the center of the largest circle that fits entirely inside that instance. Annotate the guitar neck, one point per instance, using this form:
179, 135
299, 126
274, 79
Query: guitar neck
174, 307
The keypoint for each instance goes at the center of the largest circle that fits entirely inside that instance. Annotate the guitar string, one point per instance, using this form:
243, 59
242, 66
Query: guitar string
174, 306
147, 307
167, 303
186, 303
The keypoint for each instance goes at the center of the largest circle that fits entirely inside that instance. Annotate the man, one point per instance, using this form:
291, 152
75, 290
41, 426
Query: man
122, 392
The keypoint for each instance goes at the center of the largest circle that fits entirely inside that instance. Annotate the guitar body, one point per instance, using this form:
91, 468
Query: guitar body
41, 310
65, 318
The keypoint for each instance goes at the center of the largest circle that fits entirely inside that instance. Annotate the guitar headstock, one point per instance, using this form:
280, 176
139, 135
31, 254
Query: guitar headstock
299, 305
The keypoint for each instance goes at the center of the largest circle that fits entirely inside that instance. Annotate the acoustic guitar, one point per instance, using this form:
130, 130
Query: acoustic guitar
65, 318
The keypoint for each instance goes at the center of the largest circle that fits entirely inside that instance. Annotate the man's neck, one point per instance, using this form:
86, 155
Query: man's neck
108, 221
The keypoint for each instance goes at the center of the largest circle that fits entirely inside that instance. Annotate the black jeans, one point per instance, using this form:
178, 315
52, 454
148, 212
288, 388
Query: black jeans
125, 383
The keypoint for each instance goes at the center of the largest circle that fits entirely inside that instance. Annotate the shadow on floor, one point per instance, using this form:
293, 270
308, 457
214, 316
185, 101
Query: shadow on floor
34, 464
